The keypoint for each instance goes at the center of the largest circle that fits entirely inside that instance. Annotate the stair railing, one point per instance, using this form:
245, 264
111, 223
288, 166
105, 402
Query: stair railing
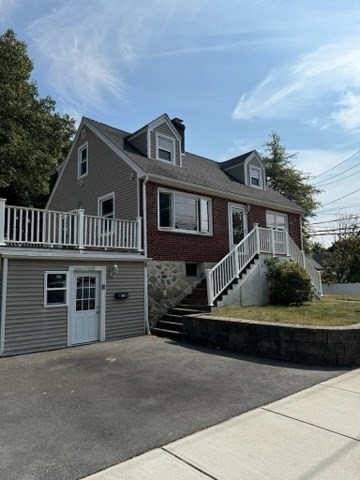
259, 240
220, 276
297, 255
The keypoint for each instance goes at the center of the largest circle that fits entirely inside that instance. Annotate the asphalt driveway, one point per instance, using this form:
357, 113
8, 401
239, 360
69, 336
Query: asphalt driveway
72, 412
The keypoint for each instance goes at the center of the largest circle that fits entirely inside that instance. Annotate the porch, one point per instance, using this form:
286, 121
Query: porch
39, 228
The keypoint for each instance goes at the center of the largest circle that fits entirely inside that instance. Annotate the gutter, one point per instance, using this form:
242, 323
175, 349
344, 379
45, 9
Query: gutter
146, 296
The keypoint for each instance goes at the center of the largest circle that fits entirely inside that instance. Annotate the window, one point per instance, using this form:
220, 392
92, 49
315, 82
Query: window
106, 207
165, 148
184, 212
276, 220
191, 269
255, 177
83, 161
55, 289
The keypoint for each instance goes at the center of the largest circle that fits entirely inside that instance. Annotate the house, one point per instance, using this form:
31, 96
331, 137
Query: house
133, 224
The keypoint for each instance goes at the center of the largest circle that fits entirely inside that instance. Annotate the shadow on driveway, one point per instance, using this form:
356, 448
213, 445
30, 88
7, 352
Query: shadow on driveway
68, 413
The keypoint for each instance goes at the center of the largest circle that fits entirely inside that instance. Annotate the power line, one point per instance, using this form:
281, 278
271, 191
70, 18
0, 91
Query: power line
339, 180
329, 210
338, 165
337, 219
340, 198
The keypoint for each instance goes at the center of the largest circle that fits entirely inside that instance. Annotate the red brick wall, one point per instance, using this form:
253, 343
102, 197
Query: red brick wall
198, 248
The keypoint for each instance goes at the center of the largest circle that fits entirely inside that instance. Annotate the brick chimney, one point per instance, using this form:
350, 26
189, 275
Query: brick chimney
180, 127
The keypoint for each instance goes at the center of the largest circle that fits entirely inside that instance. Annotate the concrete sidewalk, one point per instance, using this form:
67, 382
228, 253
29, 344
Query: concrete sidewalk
314, 434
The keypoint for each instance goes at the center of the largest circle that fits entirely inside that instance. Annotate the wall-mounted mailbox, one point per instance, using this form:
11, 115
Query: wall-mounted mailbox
121, 295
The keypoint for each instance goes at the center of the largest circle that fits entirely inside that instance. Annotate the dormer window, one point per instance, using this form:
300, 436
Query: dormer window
83, 161
255, 177
165, 148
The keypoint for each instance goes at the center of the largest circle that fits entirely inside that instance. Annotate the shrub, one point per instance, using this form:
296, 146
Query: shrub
289, 283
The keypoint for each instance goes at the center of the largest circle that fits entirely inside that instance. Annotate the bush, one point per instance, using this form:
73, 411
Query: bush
289, 283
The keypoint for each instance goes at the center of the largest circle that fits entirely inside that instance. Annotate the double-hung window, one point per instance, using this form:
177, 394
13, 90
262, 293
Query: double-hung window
275, 220
165, 148
83, 161
55, 290
184, 212
255, 177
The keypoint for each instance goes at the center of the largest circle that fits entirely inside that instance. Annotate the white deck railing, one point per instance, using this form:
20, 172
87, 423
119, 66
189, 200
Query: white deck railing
259, 240
34, 227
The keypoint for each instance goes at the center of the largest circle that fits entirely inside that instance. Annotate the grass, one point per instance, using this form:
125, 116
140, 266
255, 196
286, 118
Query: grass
330, 311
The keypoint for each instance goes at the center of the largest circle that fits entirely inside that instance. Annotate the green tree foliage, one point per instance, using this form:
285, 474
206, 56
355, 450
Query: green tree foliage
289, 283
341, 262
283, 177
33, 137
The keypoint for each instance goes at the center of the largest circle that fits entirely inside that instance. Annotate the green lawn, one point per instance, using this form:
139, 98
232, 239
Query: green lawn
332, 310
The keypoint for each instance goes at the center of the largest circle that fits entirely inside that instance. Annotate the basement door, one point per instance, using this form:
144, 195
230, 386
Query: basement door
85, 308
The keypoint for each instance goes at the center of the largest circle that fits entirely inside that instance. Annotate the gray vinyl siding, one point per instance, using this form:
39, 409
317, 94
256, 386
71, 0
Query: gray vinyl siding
140, 142
30, 327
237, 172
125, 318
107, 173
165, 130
255, 163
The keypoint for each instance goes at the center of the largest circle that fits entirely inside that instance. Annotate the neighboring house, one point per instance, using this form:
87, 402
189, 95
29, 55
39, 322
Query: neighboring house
181, 214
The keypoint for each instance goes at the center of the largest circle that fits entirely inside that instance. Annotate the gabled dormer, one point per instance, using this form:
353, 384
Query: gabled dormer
247, 169
161, 140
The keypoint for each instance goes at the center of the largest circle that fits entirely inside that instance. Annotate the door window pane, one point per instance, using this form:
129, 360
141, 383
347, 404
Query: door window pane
238, 225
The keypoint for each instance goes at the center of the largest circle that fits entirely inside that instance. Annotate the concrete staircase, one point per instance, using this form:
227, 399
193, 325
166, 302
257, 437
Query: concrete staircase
171, 325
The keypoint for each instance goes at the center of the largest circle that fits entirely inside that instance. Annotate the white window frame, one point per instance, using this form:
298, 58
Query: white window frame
157, 146
80, 149
104, 198
272, 212
253, 167
46, 289
198, 220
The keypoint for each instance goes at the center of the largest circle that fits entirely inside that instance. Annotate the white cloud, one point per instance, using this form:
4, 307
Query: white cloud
331, 70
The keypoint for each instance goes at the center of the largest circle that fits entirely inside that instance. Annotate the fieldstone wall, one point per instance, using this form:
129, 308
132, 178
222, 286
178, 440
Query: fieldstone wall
331, 346
168, 285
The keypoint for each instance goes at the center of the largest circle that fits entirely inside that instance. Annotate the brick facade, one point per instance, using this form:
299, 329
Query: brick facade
179, 246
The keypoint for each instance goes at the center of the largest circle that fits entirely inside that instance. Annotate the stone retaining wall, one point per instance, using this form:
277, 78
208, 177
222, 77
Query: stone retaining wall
168, 285
331, 346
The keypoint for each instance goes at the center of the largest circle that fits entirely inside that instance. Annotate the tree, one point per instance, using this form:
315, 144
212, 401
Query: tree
33, 137
341, 262
283, 177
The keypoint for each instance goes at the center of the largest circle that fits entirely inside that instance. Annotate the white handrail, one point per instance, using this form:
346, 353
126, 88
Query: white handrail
259, 240
220, 276
23, 226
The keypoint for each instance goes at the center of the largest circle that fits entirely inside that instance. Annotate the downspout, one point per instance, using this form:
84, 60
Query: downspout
146, 297
301, 234
3, 303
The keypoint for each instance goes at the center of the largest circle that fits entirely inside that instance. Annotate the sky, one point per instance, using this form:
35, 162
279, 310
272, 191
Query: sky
233, 70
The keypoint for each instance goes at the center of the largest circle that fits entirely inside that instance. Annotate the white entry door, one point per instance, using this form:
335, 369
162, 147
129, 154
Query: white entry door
85, 312
237, 224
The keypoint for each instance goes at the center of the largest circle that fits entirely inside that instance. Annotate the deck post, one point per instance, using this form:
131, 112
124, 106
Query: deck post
139, 234
2, 221
272, 239
303, 258
257, 237
80, 239
287, 246
209, 287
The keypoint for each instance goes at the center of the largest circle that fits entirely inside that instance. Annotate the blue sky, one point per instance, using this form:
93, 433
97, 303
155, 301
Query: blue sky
233, 70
